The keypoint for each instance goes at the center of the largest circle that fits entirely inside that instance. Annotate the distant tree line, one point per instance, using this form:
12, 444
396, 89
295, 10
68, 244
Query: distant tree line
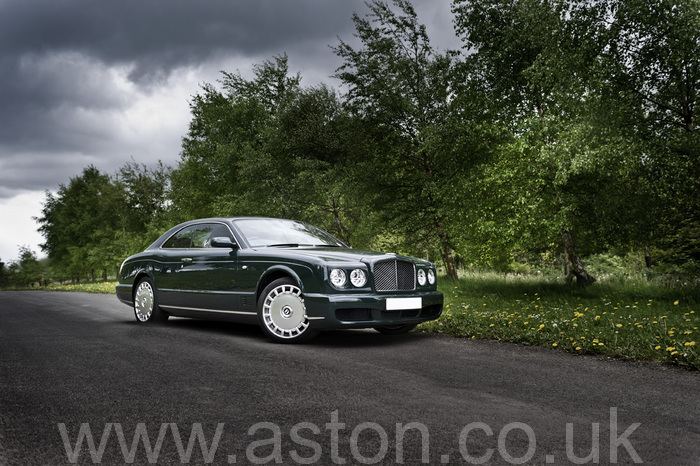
562, 129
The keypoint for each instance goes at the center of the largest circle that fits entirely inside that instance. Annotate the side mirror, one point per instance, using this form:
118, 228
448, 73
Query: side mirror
223, 242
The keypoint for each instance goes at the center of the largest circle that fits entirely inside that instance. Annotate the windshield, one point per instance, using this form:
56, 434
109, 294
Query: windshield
261, 232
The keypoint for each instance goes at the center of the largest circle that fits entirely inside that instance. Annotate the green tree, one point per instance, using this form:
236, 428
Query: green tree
26, 271
227, 128
145, 193
402, 88
267, 146
651, 72
77, 223
561, 176
304, 168
96, 220
142, 195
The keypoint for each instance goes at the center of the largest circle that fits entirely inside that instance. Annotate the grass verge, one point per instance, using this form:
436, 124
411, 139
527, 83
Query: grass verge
87, 287
627, 320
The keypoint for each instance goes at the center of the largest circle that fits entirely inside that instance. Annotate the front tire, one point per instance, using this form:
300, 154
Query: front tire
146, 303
282, 312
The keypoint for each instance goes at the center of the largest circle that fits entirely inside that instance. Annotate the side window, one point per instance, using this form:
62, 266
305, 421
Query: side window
206, 232
180, 240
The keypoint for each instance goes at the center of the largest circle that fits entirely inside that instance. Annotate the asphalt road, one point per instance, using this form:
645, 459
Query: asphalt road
78, 366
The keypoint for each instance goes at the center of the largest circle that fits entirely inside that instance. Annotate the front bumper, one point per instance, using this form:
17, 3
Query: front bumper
371, 310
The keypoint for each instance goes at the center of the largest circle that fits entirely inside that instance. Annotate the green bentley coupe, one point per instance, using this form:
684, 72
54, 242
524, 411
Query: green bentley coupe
291, 278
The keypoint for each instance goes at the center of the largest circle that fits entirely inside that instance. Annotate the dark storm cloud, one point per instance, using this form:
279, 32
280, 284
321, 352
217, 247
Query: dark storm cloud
61, 63
158, 36
70, 68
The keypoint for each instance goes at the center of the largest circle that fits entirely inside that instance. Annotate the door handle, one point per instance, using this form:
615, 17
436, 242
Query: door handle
186, 259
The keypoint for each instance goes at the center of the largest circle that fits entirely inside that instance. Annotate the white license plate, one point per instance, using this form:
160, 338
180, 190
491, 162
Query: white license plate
398, 304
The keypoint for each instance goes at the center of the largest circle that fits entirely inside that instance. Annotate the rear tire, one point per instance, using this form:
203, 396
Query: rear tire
146, 303
282, 312
395, 329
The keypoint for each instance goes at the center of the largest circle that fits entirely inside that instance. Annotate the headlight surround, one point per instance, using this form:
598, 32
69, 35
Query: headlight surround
358, 278
338, 278
431, 277
421, 277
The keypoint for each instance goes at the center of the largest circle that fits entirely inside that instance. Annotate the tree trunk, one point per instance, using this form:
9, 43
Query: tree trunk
579, 271
647, 258
447, 256
342, 231
104, 274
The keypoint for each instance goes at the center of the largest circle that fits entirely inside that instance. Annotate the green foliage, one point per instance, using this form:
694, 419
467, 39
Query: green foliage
95, 221
24, 272
424, 143
564, 134
269, 147
601, 146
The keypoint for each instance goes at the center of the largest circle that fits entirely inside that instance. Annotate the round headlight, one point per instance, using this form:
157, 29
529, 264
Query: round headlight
421, 277
338, 278
431, 277
358, 278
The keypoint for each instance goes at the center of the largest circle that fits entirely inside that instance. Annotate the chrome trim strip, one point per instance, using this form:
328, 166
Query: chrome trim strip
208, 310
247, 313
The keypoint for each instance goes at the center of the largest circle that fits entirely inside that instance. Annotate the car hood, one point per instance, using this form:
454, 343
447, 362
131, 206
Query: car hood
338, 255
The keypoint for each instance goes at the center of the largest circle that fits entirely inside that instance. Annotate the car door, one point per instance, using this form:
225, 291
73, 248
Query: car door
208, 276
170, 260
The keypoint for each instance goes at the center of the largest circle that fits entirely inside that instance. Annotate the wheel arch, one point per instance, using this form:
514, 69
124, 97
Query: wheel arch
137, 279
275, 273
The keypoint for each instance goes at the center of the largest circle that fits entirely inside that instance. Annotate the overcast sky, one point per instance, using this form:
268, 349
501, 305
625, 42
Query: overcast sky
101, 82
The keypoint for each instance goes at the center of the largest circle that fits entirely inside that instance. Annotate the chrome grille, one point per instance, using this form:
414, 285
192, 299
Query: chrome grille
394, 275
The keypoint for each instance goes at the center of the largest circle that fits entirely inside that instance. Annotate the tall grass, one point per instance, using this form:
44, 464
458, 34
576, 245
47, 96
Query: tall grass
630, 319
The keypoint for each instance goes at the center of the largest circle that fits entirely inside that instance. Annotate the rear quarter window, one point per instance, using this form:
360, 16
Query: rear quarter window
180, 240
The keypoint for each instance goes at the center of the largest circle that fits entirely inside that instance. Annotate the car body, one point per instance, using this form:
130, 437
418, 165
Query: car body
291, 278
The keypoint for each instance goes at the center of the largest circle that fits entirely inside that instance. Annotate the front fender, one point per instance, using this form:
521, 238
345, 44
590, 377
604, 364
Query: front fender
303, 275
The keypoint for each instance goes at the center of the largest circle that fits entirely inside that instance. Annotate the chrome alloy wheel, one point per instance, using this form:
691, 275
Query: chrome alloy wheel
144, 301
284, 312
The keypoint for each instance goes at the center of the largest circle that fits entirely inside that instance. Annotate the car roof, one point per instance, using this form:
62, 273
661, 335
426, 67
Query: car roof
161, 239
